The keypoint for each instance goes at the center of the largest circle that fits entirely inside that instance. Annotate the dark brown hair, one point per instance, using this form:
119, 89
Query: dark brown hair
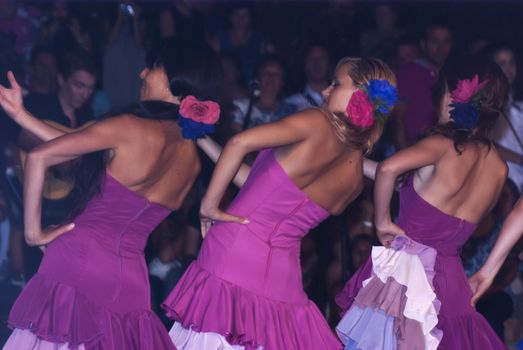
493, 102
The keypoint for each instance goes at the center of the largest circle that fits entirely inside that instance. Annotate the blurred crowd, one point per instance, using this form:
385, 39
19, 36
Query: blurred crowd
76, 60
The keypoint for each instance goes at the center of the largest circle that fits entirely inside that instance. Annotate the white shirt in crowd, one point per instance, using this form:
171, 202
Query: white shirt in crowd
308, 98
505, 136
257, 116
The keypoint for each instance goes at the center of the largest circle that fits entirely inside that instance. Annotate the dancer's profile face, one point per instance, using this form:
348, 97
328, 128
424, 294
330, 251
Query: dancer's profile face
338, 94
445, 108
155, 85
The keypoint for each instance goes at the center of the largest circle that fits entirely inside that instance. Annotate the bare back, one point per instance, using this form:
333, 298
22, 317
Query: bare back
464, 185
159, 164
325, 168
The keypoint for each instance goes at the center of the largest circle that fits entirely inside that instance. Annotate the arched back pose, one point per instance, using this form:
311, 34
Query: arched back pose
244, 291
413, 293
92, 290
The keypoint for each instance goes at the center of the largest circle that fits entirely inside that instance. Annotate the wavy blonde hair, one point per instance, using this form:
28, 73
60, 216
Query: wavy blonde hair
361, 71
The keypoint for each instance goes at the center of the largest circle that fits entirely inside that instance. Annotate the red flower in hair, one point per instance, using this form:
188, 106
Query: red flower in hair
206, 112
360, 110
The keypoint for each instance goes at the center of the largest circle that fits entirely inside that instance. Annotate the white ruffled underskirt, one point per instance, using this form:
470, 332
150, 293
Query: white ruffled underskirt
22, 339
187, 339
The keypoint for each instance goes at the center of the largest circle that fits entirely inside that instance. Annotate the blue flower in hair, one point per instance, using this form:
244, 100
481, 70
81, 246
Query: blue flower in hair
464, 115
194, 130
382, 94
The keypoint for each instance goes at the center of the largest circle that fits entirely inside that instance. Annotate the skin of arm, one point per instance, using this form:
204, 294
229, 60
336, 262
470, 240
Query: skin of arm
510, 233
103, 135
213, 150
290, 130
426, 152
509, 155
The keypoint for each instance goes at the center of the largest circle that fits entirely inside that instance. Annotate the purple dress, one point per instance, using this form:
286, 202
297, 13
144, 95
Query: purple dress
244, 291
415, 295
91, 290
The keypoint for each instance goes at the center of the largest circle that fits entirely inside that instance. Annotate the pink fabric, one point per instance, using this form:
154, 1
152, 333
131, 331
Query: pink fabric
92, 286
246, 282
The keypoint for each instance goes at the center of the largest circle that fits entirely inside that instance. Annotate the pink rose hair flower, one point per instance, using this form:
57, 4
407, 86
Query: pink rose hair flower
467, 88
206, 112
360, 110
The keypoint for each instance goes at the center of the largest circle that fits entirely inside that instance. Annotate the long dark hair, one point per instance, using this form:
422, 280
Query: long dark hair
191, 70
492, 104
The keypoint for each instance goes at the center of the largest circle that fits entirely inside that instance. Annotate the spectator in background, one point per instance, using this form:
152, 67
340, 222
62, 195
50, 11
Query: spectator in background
407, 52
77, 74
317, 68
124, 56
20, 21
382, 40
239, 39
267, 106
415, 111
43, 71
64, 31
508, 132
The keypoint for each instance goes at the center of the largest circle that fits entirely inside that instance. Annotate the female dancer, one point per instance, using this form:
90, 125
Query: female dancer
91, 290
413, 293
244, 290
510, 234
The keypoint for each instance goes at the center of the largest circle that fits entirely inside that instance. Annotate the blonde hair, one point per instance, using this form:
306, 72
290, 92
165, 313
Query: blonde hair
361, 71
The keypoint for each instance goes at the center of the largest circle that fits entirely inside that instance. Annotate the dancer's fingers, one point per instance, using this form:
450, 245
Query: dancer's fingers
232, 218
12, 80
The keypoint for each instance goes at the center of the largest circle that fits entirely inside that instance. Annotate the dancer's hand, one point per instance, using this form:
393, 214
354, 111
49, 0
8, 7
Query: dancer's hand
387, 232
208, 216
11, 98
49, 234
479, 282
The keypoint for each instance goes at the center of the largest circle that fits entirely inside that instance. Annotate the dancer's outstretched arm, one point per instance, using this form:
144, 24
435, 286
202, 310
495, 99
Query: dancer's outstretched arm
426, 152
290, 130
99, 136
214, 150
510, 233
11, 101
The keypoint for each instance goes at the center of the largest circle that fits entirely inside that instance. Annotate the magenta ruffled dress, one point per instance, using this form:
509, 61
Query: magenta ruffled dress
92, 288
244, 291
415, 294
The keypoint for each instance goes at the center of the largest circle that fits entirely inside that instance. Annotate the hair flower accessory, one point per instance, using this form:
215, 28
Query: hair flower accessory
371, 102
197, 118
360, 110
465, 102
382, 94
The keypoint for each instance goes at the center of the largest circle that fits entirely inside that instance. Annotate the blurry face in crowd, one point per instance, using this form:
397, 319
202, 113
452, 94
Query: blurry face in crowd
271, 79
338, 94
317, 65
507, 62
405, 54
45, 69
155, 85
77, 88
231, 73
385, 17
437, 45
241, 18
